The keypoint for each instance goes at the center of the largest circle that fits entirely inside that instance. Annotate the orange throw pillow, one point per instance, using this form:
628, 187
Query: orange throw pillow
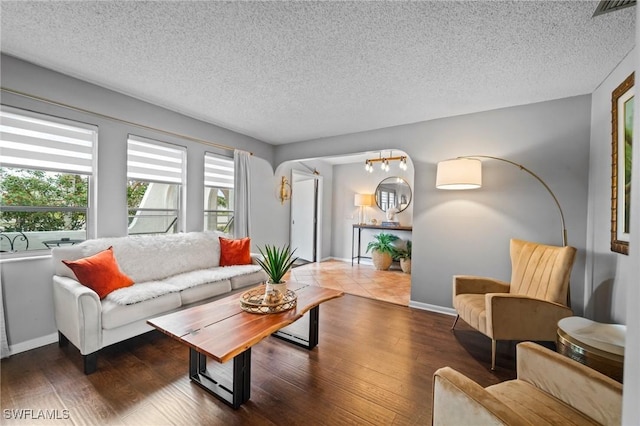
235, 252
99, 272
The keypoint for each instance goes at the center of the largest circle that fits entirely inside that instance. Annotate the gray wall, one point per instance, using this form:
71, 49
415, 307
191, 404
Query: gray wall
607, 289
283, 216
26, 283
28, 299
267, 227
350, 179
468, 232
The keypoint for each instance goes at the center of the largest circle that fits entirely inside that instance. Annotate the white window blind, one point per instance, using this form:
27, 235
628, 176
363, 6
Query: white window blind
218, 171
154, 161
27, 141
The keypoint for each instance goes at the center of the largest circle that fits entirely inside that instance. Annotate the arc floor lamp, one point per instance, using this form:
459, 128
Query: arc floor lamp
466, 173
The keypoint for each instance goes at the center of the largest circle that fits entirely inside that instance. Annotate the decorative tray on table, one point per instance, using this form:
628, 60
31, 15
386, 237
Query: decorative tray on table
255, 302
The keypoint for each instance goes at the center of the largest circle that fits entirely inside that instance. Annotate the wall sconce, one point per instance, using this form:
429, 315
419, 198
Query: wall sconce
363, 201
285, 190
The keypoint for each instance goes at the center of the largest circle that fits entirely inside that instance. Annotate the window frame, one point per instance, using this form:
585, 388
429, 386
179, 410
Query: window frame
91, 208
231, 209
179, 221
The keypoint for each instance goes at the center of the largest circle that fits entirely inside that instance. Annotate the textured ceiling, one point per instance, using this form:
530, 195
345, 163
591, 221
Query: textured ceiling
290, 71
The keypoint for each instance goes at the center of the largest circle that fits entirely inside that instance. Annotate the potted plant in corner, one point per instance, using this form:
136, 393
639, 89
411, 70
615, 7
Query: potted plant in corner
276, 261
382, 250
405, 258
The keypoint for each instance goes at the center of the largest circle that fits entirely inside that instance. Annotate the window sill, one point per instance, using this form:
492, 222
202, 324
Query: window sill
19, 256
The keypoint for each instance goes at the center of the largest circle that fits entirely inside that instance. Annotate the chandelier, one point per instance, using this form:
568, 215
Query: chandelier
384, 162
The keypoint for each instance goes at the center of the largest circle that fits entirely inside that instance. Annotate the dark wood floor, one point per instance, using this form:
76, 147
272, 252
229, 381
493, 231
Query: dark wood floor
373, 365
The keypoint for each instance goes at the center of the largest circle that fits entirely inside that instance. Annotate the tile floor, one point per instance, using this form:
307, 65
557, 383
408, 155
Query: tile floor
362, 280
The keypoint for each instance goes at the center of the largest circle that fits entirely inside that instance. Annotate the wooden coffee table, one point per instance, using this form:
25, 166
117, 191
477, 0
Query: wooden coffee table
222, 331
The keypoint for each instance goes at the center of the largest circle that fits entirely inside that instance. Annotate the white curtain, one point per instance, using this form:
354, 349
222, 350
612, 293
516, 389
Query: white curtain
4, 347
241, 184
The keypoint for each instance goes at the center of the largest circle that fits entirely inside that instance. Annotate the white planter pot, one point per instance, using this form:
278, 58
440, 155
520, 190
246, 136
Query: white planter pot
280, 287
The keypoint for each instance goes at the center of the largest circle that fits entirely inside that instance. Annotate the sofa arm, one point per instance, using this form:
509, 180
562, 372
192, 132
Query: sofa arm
78, 314
577, 385
458, 400
542, 317
464, 284
255, 256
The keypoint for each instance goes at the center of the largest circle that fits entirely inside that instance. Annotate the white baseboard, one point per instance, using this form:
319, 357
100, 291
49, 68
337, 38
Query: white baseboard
33, 344
432, 308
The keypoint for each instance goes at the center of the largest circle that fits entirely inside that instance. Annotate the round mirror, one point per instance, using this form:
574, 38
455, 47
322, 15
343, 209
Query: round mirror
393, 191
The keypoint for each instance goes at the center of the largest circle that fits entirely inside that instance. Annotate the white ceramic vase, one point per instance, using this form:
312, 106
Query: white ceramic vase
280, 287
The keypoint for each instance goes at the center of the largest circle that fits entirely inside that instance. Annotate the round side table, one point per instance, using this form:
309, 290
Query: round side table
597, 345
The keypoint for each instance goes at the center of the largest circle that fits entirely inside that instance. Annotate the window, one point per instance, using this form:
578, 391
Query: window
156, 175
45, 180
387, 199
387, 196
218, 193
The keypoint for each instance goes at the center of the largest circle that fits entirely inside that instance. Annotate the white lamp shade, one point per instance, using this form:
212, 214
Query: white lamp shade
460, 173
363, 200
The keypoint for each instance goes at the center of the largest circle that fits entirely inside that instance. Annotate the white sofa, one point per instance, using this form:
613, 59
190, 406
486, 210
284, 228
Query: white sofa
170, 272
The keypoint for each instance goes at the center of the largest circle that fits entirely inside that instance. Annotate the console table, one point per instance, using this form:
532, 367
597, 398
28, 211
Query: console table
359, 228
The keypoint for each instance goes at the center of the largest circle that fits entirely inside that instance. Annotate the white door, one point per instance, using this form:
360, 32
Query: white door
303, 218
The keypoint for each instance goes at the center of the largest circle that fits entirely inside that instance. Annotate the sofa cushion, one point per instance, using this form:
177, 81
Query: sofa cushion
140, 292
115, 315
204, 276
73, 252
204, 291
99, 272
538, 406
244, 280
235, 252
151, 257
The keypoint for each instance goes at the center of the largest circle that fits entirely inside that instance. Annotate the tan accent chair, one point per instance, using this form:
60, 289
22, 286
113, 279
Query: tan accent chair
529, 307
550, 389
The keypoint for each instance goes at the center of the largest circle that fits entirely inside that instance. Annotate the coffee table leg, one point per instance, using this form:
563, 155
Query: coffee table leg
309, 341
240, 391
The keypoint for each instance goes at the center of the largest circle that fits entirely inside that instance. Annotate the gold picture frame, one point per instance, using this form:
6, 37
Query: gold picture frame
622, 105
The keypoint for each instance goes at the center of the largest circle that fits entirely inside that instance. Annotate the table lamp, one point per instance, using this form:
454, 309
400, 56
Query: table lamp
363, 201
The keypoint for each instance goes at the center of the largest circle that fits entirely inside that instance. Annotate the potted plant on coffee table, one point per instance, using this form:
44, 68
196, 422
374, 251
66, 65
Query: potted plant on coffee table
382, 250
405, 258
276, 262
